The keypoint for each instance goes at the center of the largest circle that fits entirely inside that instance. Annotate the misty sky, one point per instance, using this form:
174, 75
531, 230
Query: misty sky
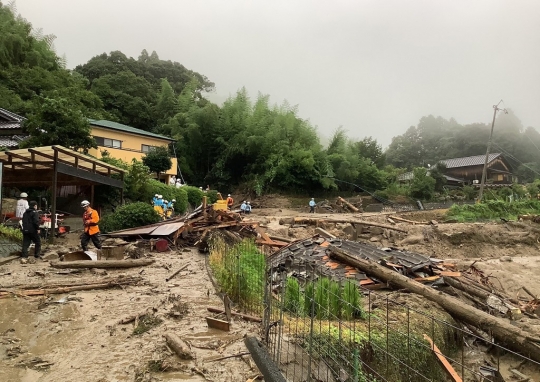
374, 67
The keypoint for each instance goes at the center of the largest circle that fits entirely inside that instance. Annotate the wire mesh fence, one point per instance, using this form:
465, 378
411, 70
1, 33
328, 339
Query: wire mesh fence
321, 329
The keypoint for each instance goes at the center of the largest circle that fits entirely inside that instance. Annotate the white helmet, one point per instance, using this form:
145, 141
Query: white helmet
229, 195
85, 203
160, 196
24, 195
174, 200
166, 201
248, 203
156, 195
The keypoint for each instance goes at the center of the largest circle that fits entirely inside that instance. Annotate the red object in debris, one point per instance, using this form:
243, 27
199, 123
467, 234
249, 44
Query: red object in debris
162, 245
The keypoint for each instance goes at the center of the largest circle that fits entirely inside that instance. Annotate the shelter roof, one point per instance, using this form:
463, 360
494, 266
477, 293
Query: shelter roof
34, 166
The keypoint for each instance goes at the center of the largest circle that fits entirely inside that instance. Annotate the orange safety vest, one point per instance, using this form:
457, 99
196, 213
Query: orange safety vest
230, 201
91, 216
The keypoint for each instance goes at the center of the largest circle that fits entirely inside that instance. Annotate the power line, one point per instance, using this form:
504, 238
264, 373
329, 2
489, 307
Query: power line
515, 159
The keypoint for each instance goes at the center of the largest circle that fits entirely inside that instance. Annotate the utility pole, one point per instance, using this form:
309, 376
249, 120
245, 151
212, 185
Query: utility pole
484, 171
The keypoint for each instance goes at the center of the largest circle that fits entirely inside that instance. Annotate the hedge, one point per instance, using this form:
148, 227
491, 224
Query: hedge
129, 216
169, 193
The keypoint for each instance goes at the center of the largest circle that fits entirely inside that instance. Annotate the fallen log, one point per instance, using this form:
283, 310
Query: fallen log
237, 314
349, 205
280, 238
68, 289
407, 220
464, 286
502, 330
319, 221
102, 263
179, 346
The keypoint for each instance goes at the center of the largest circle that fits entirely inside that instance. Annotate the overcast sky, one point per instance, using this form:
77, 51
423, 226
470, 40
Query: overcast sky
373, 67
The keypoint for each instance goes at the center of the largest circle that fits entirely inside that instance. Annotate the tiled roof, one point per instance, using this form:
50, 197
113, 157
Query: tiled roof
9, 120
9, 116
8, 142
469, 161
125, 128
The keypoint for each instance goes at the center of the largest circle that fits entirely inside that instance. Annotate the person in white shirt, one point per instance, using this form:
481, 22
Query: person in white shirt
22, 205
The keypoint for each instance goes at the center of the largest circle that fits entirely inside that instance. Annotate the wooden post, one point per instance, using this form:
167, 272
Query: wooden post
92, 196
53, 197
122, 189
204, 205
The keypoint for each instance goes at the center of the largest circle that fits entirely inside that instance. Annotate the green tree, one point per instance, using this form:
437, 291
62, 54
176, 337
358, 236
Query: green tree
369, 148
422, 185
167, 104
437, 173
158, 160
57, 122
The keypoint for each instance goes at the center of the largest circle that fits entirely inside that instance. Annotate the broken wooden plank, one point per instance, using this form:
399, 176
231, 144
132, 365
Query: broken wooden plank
177, 272
349, 205
215, 323
442, 359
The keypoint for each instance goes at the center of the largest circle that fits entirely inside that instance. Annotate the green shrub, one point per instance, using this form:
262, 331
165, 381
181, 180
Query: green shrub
212, 196
493, 209
11, 233
469, 192
129, 216
169, 193
194, 195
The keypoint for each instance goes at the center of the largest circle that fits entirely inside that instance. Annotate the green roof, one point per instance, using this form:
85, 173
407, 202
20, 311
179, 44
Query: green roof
126, 129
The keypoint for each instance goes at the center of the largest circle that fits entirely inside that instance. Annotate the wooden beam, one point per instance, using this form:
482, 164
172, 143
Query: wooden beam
87, 158
442, 359
53, 198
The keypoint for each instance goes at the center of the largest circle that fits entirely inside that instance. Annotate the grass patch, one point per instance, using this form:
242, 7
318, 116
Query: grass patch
239, 270
324, 299
493, 210
146, 322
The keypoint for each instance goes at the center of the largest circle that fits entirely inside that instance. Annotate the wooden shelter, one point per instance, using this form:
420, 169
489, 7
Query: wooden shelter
53, 166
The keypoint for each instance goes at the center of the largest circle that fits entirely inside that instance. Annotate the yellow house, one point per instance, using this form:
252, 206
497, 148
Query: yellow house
127, 143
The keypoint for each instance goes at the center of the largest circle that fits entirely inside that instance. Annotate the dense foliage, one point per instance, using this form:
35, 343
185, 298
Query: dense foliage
435, 138
158, 160
129, 216
35, 84
244, 142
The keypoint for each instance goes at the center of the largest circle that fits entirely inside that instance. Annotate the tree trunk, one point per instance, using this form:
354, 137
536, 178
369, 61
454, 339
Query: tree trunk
68, 289
504, 332
349, 205
318, 221
102, 263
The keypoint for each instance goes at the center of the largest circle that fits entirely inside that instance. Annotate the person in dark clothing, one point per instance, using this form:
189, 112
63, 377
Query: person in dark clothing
30, 228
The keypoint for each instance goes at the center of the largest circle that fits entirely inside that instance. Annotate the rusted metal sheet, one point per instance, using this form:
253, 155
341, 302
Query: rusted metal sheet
167, 229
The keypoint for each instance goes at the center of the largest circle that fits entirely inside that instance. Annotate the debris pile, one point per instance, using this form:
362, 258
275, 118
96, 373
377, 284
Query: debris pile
194, 229
473, 299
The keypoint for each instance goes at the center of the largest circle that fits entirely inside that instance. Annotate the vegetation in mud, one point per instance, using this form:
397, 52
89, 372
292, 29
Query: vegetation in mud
493, 209
145, 323
239, 270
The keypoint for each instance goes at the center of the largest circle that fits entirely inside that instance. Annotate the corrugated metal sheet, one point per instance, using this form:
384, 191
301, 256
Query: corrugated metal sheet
469, 161
167, 229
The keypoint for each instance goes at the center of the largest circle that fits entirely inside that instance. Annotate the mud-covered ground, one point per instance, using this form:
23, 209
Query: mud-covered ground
78, 338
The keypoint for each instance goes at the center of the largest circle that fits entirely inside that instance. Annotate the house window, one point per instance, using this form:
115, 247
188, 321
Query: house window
500, 177
147, 148
107, 142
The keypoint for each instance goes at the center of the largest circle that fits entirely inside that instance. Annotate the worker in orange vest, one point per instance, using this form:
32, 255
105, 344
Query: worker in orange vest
91, 229
230, 201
